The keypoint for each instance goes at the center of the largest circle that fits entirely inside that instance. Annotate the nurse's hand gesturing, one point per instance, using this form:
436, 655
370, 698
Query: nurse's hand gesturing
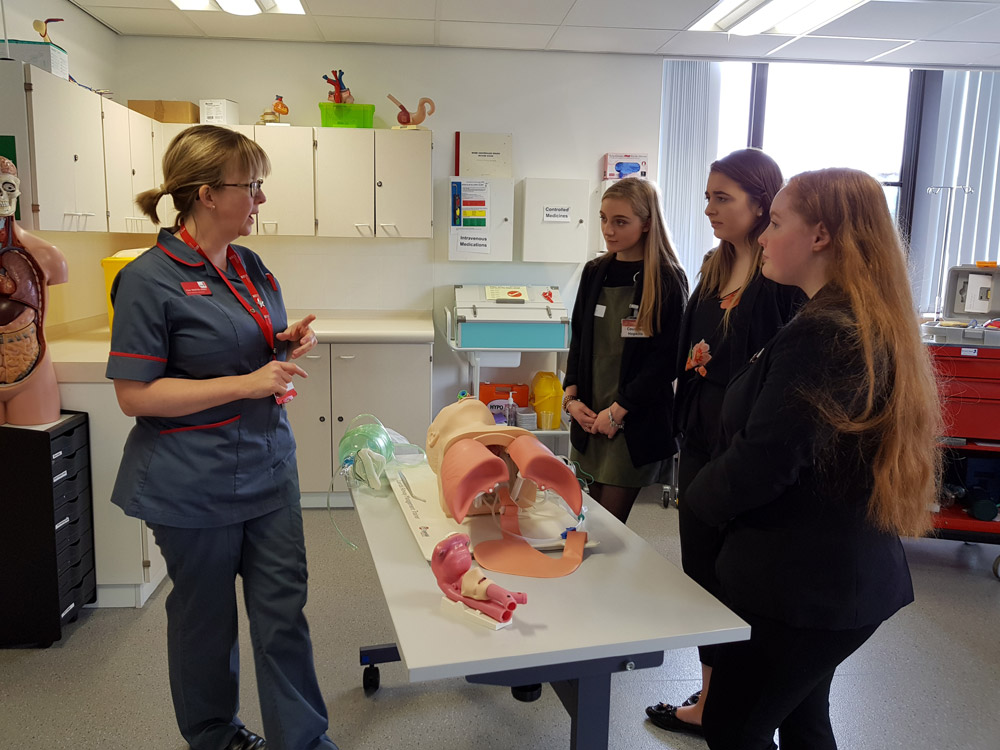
272, 379
302, 333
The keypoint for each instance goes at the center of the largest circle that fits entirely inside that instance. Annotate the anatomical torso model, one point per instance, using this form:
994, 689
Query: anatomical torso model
28, 265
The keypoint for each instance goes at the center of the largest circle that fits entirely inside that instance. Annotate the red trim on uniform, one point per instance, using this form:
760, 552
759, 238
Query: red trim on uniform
138, 356
199, 426
186, 263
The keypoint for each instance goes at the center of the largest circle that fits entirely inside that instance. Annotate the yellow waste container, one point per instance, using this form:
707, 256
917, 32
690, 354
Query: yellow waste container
546, 398
112, 266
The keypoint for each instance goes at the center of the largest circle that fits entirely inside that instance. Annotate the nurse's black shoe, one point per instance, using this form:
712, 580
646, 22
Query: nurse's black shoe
246, 740
692, 699
665, 717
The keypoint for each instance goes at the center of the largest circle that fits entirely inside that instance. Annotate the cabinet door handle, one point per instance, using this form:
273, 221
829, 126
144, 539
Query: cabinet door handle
312, 356
362, 227
346, 356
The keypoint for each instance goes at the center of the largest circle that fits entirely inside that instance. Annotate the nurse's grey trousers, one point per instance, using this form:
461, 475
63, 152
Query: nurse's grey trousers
202, 641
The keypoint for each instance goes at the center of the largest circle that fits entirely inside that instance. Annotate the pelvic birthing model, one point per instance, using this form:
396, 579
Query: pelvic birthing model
466, 585
29, 394
481, 465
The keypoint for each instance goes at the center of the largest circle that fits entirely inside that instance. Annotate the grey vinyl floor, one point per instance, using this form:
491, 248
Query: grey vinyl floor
928, 679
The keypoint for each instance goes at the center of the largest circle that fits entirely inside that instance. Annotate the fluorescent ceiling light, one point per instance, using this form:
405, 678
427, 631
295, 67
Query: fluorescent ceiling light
239, 7
793, 17
243, 7
293, 7
195, 4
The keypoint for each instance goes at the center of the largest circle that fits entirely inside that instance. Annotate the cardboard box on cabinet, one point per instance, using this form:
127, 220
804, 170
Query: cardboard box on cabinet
166, 111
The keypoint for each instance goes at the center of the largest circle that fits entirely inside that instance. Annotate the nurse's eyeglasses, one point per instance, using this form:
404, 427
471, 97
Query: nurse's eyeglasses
254, 186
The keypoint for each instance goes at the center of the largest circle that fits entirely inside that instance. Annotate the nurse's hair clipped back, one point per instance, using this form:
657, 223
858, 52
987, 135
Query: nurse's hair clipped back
201, 155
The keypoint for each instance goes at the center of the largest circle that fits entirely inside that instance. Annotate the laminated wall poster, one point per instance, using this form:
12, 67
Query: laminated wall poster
483, 154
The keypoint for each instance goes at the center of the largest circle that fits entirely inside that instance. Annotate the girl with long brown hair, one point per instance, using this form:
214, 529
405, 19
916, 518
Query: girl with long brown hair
733, 312
621, 358
828, 456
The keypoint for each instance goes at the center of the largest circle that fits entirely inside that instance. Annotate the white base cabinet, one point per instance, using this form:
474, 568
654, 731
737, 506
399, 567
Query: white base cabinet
390, 381
128, 562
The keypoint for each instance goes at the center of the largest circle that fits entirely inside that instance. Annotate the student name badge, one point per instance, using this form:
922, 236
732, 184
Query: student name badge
630, 330
195, 288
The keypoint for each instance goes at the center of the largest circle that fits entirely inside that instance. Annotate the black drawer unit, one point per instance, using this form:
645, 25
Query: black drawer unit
46, 529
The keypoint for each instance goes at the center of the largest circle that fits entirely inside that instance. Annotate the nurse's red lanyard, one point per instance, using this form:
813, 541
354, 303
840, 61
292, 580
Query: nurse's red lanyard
260, 315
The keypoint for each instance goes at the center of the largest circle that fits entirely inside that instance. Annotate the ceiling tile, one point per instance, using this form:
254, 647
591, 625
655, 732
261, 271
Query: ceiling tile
509, 11
376, 30
637, 14
423, 9
589, 39
495, 35
901, 20
942, 53
984, 28
719, 44
834, 49
146, 21
276, 26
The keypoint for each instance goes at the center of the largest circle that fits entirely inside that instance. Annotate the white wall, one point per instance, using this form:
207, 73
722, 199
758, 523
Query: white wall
565, 111
92, 48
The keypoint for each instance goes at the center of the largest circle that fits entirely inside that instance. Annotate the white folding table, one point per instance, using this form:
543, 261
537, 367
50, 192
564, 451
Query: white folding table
619, 611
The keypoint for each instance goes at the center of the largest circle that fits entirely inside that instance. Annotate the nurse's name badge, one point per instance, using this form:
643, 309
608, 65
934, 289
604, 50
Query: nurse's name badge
195, 287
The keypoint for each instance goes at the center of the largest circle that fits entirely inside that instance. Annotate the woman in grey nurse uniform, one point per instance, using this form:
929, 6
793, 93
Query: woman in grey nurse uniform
201, 354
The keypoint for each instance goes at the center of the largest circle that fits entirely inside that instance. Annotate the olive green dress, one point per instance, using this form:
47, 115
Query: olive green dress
608, 461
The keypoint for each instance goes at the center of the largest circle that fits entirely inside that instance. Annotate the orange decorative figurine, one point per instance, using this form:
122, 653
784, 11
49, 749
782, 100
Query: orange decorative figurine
279, 107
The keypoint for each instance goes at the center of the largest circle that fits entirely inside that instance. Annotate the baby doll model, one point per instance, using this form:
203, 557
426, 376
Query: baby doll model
451, 563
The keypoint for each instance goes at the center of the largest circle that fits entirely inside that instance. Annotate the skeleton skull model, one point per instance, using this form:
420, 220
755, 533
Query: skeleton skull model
10, 190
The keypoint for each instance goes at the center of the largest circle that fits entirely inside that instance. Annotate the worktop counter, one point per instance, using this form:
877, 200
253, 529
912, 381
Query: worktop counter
83, 357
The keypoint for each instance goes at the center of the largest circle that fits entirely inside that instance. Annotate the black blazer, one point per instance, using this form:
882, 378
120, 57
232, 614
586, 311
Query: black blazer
792, 496
648, 365
764, 308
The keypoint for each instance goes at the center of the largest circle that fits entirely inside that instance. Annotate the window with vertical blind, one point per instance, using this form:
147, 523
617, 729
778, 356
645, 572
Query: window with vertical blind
959, 155
805, 115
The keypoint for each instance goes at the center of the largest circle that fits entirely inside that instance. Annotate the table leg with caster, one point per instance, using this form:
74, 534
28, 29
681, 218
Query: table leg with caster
370, 656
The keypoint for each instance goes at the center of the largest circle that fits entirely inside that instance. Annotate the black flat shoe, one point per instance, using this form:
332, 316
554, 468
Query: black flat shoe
244, 739
663, 708
665, 717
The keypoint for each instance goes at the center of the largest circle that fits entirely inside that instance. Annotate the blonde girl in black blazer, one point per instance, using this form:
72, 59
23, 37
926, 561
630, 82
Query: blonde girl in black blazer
622, 362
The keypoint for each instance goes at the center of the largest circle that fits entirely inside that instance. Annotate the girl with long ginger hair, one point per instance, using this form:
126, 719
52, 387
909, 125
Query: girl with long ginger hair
828, 456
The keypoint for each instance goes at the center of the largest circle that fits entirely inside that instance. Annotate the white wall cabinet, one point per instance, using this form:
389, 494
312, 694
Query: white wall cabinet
67, 154
403, 195
553, 220
128, 171
391, 381
289, 188
345, 182
396, 162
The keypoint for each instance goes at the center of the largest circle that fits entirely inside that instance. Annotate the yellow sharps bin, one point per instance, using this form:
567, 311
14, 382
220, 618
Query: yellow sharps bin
112, 265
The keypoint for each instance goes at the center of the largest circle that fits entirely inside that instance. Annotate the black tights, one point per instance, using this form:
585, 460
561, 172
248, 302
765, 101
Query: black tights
616, 500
